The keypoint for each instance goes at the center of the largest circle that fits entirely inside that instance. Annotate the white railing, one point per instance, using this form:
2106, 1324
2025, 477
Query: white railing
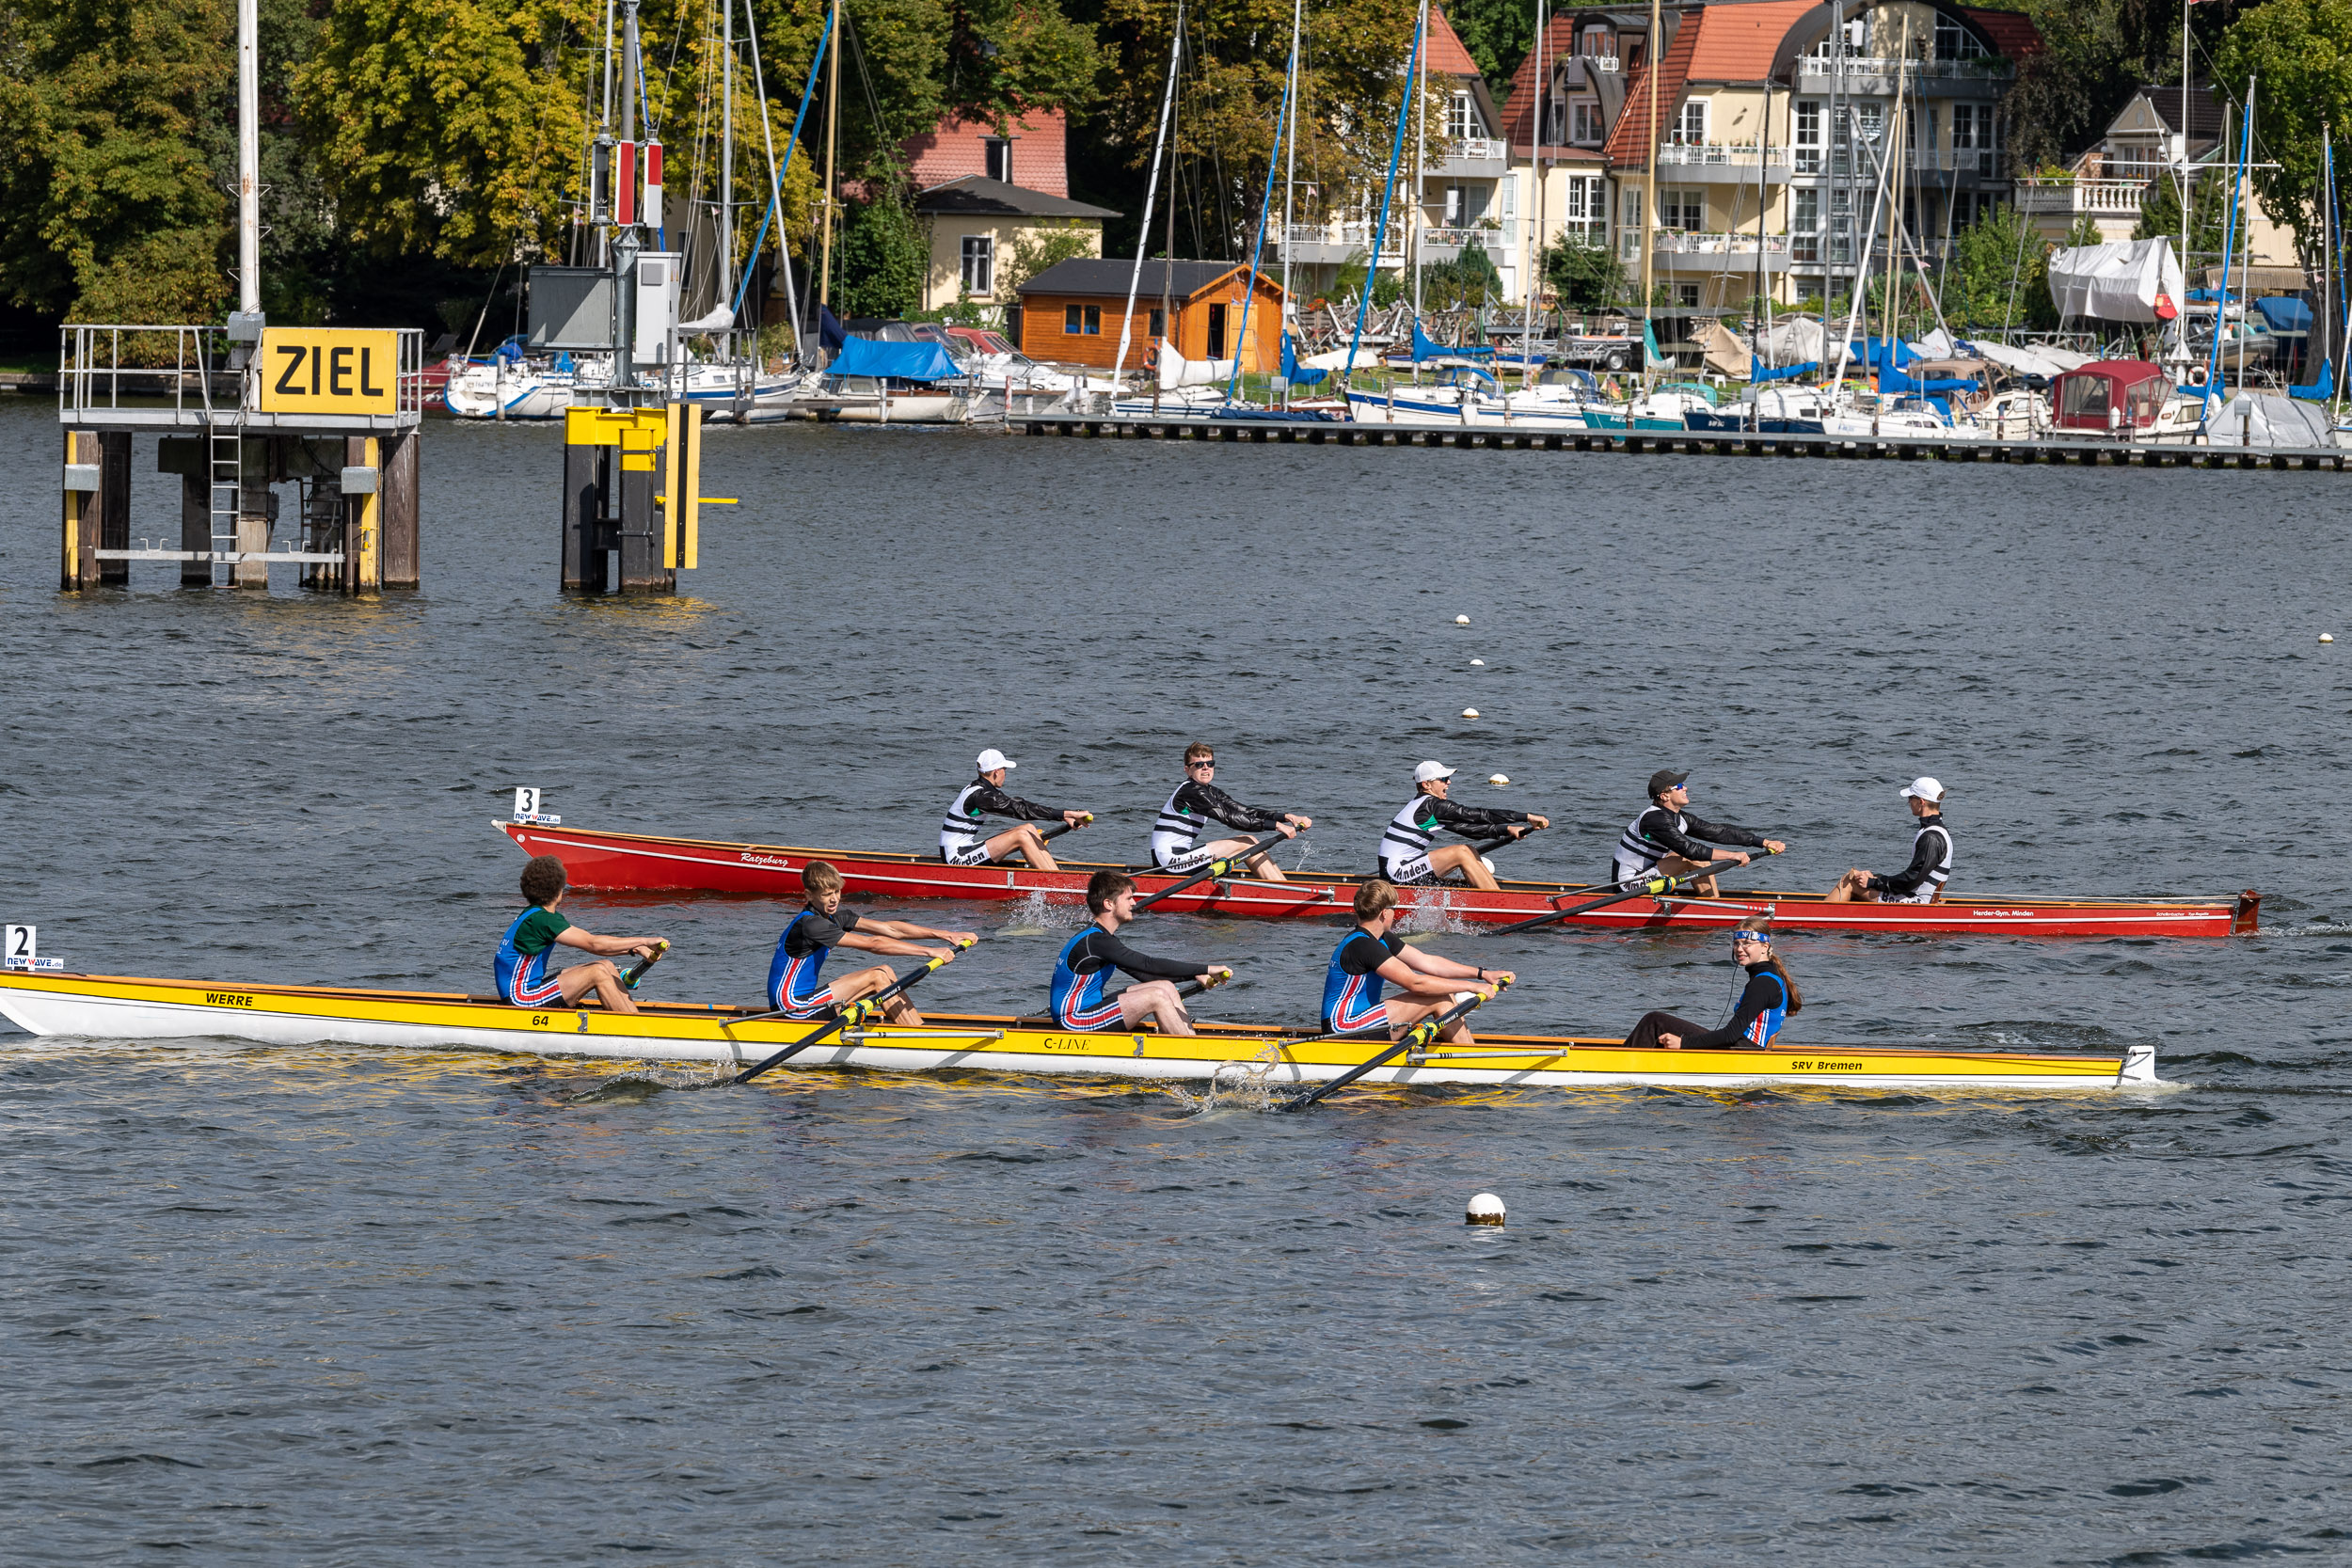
1698, 154
1471, 148
1356, 236
1502, 238
2107, 197
1871, 65
1603, 62
1677, 243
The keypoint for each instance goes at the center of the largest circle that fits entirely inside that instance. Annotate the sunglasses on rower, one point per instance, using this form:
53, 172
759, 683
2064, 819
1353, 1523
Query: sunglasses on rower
1201, 762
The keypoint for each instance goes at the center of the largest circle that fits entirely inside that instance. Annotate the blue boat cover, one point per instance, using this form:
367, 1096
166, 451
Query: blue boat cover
1425, 349
2285, 313
1291, 373
2320, 390
1759, 375
831, 335
1896, 381
906, 362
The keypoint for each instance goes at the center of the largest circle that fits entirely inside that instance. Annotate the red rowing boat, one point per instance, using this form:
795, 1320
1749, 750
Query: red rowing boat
644, 862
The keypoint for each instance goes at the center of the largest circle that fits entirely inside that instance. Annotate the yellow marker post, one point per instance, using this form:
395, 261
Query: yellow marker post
681, 508
369, 579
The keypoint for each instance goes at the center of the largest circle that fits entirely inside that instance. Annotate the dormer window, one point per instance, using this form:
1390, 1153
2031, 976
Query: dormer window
1955, 42
1596, 44
1000, 158
1461, 118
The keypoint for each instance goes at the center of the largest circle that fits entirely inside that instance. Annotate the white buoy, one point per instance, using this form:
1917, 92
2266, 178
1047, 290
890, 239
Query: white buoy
1485, 1209
1481, 664
1461, 619
2327, 636
1470, 713
1499, 778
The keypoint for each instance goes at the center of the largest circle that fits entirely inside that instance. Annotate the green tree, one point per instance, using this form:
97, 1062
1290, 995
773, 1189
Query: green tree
1497, 33
1467, 279
883, 255
1585, 275
2302, 52
108, 207
1058, 239
2000, 273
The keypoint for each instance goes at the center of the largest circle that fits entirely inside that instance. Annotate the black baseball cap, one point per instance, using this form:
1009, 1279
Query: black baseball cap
1664, 780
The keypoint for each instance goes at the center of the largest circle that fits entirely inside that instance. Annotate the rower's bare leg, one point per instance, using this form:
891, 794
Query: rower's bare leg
1262, 867
600, 977
1674, 865
1462, 858
1850, 889
1026, 842
1156, 1000
866, 982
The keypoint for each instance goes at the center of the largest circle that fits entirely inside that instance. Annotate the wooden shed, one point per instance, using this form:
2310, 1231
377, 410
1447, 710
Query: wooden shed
1070, 312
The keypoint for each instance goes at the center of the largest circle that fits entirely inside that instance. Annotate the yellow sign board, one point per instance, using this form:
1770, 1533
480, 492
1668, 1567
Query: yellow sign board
330, 370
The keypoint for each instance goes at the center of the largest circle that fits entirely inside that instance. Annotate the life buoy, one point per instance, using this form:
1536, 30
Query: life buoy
1152, 357
2197, 375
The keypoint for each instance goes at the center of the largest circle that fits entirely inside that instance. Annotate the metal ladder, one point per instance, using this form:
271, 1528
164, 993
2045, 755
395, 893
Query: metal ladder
225, 442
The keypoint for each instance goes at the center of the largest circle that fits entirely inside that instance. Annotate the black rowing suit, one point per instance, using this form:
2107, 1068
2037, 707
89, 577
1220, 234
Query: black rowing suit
1659, 832
1921, 881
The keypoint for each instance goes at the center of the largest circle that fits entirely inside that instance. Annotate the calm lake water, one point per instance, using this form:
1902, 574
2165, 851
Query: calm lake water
339, 1306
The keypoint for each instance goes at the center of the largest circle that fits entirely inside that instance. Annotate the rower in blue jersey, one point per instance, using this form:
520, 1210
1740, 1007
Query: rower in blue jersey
795, 983
1765, 1004
1086, 959
520, 966
1368, 959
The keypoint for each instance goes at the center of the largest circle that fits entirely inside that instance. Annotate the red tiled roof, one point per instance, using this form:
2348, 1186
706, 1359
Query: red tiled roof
1636, 133
1518, 111
1739, 42
1447, 57
959, 147
2014, 36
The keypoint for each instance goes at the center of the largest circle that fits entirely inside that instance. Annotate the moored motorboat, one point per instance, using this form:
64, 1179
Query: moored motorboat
119, 1007
641, 863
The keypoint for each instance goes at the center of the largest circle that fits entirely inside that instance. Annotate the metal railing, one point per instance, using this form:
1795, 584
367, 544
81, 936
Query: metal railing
1991, 67
1355, 236
106, 369
1476, 148
1991, 162
1501, 236
1703, 155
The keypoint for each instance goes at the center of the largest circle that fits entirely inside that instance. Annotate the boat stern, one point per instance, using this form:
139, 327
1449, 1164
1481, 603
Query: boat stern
2247, 919
2139, 1066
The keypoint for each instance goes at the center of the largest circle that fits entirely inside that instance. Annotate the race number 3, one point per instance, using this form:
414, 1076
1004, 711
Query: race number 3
526, 805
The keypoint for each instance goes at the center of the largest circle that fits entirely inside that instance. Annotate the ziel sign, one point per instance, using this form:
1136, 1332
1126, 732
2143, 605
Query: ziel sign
330, 370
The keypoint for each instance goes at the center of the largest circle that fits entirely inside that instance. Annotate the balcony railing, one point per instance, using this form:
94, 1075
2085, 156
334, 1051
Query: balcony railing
2096, 197
1354, 236
1991, 68
1989, 163
1467, 149
1675, 242
1697, 154
1498, 240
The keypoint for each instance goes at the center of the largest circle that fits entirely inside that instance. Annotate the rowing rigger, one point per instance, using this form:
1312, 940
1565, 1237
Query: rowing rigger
124, 1008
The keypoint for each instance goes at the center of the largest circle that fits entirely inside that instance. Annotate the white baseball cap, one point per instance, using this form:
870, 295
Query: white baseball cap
1924, 788
1429, 770
992, 759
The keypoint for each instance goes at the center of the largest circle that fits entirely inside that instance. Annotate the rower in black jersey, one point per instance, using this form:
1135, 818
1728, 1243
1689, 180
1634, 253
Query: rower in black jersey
1086, 959
1921, 881
1765, 1004
795, 983
1665, 839
1409, 854
1176, 836
963, 841
1368, 959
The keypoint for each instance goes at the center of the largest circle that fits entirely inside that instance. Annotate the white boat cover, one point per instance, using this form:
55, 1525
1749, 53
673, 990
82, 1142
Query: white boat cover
1797, 341
2042, 361
2128, 280
1176, 370
2267, 419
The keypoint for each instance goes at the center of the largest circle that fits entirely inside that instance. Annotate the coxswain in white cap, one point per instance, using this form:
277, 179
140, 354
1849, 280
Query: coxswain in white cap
962, 840
1409, 854
1921, 881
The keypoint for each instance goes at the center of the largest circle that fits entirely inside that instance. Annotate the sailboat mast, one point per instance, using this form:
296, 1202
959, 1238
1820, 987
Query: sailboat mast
600, 160
2185, 182
832, 146
726, 165
1653, 60
1290, 175
1418, 85
625, 238
1535, 249
2246, 252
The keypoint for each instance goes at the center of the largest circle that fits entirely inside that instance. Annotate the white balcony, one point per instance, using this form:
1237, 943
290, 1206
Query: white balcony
1473, 157
2116, 198
1678, 251
1441, 243
1338, 243
1721, 163
1991, 68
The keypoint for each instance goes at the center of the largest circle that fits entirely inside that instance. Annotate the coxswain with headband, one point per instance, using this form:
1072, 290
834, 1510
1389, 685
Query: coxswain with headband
796, 984
1770, 996
1921, 881
521, 967
1664, 839
1409, 855
1368, 959
1176, 836
1086, 959
962, 840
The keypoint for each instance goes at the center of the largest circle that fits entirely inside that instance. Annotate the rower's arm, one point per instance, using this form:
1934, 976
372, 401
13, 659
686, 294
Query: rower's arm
1143, 966
1910, 878
1411, 979
1250, 819
1462, 819
604, 947
1721, 833
868, 938
1761, 992
995, 802
906, 930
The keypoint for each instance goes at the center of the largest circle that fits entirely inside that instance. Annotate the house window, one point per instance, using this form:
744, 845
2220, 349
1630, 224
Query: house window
1585, 127
1465, 205
1000, 158
1594, 44
1555, 128
1461, 118
1687, 296
1808, 135
1095, 321
1072, 319
979, 263
1586, 209
1690, 126
1870, 120
1804, 227
1216, 331
1682, 208
1841, 226
1633, 52
1955, 42
1159, 324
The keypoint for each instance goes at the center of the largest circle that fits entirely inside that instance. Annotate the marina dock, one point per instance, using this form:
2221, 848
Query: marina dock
1955, 448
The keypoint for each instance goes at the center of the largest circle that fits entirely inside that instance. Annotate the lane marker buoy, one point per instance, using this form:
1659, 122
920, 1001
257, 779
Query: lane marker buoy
1461, 619
1478, 664
1485, 1209
1470, 713
2327, 636
1499, 778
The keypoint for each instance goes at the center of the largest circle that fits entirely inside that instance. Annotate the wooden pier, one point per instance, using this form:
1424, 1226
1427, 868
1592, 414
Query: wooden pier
1958, 447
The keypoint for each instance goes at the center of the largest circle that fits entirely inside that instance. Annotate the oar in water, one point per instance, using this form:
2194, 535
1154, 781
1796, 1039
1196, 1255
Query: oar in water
1417, 1036
1214, 868
856, 1012
1652, 886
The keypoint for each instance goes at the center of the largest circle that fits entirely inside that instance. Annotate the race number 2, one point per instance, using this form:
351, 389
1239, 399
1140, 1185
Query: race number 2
17, 946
